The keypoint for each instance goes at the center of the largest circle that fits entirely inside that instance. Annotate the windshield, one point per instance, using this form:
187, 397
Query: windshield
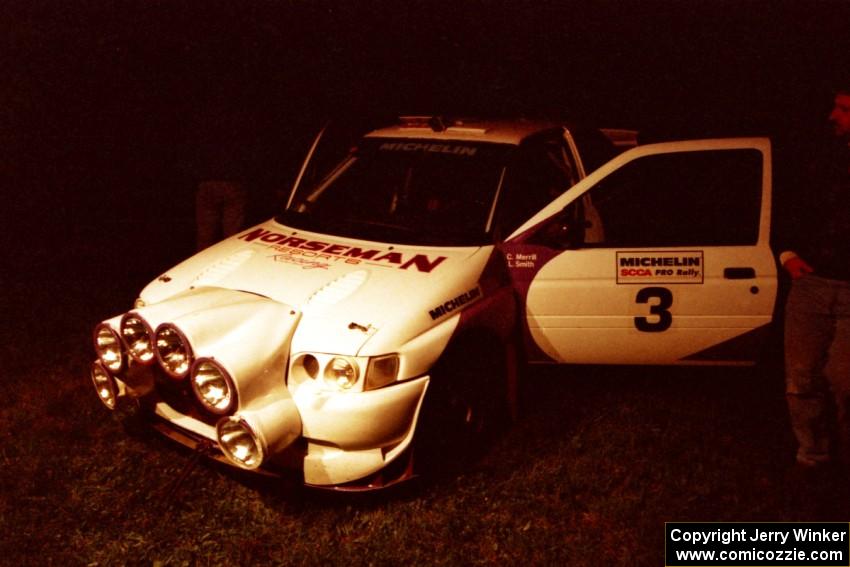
407, 191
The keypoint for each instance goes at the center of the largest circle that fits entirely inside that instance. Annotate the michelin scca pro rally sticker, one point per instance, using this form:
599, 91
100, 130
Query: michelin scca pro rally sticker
683, 267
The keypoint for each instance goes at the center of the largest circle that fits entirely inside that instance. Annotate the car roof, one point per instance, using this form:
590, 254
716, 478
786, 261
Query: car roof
471, 130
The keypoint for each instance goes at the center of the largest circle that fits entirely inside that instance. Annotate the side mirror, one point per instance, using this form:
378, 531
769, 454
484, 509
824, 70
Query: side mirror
566, 230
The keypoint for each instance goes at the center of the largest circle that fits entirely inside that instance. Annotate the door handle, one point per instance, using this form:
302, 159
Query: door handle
739, 273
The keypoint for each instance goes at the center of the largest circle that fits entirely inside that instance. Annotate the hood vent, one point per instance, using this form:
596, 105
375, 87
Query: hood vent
217, 271
336, 291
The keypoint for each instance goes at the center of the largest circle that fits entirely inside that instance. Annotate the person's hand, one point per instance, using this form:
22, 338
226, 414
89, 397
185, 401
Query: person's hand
797, 267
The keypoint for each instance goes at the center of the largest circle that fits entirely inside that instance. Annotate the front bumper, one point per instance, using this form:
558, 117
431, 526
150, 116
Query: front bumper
345, 437
352, 435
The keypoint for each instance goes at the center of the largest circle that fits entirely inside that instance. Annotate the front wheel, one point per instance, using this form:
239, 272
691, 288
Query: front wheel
465, 407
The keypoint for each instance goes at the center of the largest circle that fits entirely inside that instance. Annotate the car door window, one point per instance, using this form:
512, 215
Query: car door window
700, 198
539, 171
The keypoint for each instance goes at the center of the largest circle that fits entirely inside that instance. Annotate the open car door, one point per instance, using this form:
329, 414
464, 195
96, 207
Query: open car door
661, 256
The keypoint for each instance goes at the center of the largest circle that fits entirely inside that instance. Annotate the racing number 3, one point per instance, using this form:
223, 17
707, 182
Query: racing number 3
660, 309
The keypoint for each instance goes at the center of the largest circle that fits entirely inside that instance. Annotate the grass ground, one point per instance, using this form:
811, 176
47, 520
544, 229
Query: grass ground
599, 460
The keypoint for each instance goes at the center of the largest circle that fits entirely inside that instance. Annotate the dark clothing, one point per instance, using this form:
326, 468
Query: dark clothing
815, 223
817, 367
219, 211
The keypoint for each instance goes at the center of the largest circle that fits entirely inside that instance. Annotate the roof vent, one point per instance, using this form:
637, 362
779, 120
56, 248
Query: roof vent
435, 123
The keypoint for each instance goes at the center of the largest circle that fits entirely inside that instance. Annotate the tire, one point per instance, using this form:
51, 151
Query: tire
465, 407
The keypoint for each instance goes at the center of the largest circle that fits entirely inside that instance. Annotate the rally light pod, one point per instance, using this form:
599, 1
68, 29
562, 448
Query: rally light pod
109, 348
248, 338
240, 443
173, 350
138, 336
253, 436
213, 386
105, 385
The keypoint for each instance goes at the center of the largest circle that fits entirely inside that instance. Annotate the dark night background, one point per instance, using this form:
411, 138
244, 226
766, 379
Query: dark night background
111, 112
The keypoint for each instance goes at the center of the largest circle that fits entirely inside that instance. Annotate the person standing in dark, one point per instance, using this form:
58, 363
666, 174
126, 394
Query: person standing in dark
219, 210
221, 198
814, 246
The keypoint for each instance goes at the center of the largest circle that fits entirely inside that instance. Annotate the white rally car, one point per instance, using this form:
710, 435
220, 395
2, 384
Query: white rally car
392, 299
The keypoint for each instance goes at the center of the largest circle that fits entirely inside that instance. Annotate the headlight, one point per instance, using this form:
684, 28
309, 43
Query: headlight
213, 386
173, 350
239, 443
137, 336
104, 385
341, 373
107, 345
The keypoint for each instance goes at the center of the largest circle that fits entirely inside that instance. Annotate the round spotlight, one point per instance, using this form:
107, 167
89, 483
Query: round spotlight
172, 350
107, 345
239, 443
104, 385
213, 386
137, 336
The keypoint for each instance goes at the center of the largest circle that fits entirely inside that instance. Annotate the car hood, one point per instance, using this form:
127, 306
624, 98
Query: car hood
348, 292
